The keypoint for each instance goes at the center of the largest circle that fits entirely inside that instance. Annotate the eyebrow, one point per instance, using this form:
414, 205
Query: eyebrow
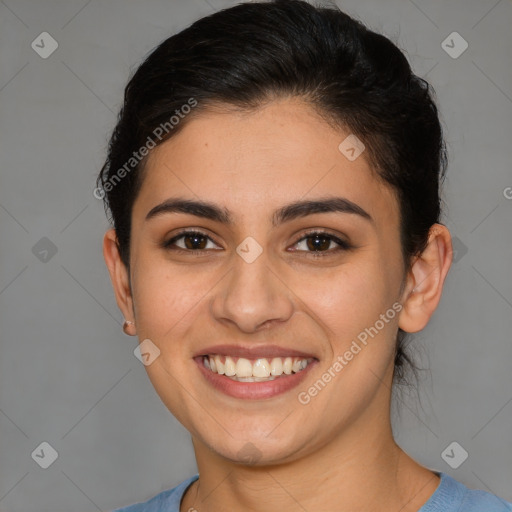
287, 213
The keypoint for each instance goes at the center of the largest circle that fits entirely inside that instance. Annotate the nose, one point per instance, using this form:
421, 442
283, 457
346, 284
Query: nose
252, 296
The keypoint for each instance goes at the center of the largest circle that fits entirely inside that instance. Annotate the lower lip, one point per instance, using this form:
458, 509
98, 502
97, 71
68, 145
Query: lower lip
253, 390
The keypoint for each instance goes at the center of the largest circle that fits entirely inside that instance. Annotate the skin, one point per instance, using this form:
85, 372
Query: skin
337, 453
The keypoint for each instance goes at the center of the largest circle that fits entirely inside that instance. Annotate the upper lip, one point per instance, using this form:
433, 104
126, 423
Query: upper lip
253, 352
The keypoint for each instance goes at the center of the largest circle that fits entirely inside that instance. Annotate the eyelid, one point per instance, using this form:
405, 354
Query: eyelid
319, 231
188, 231
343, 245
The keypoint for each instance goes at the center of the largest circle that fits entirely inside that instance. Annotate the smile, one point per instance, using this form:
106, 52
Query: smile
254, 377
254, 370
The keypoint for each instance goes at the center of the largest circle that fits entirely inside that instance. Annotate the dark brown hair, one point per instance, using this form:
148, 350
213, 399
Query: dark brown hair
246, 55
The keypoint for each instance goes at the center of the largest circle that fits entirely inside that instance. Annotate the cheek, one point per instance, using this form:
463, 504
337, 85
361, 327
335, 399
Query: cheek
166, 302
361, 341
350, 303
347, 299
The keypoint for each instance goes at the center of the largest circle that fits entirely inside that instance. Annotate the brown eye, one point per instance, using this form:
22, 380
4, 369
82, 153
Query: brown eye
194, 242
319, 242
190, 241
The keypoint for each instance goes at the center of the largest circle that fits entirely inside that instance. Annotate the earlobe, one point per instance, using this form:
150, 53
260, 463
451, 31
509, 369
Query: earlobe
120, 280
129, 328
425, 280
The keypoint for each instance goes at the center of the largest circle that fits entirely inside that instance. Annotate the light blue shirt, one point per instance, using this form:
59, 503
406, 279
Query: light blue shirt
450, 496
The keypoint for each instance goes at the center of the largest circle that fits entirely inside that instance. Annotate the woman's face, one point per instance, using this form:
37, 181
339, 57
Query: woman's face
259, 288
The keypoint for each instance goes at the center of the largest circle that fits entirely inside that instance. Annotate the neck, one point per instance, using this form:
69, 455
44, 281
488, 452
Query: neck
362, 468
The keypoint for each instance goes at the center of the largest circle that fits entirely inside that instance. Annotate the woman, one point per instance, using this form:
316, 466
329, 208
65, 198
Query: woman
273, 181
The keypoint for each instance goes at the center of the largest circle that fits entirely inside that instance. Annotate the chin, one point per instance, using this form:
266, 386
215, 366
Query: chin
256, 449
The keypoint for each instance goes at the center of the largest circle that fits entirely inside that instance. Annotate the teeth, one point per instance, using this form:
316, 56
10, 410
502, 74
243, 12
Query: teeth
244, 370
218, 363
261, 368
229, 367
252, 379
276, 366
287, 366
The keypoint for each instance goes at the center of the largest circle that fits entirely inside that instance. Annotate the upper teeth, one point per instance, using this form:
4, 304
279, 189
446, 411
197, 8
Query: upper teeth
260, 368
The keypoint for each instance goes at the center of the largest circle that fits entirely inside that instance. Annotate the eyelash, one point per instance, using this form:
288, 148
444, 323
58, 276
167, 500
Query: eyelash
343, 245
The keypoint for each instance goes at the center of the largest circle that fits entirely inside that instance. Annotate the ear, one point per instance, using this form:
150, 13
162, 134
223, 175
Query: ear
425, 280
118, 275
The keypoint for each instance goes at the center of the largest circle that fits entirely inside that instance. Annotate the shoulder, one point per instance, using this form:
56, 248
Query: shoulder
167, 500
452, 495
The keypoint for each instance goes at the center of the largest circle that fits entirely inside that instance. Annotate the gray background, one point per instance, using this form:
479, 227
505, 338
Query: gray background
68, 375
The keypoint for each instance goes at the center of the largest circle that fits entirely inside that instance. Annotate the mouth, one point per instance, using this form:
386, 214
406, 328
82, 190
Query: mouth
262, 369
254, 376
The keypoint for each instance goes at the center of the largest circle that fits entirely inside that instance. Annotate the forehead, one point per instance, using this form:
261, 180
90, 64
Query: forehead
249, 161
